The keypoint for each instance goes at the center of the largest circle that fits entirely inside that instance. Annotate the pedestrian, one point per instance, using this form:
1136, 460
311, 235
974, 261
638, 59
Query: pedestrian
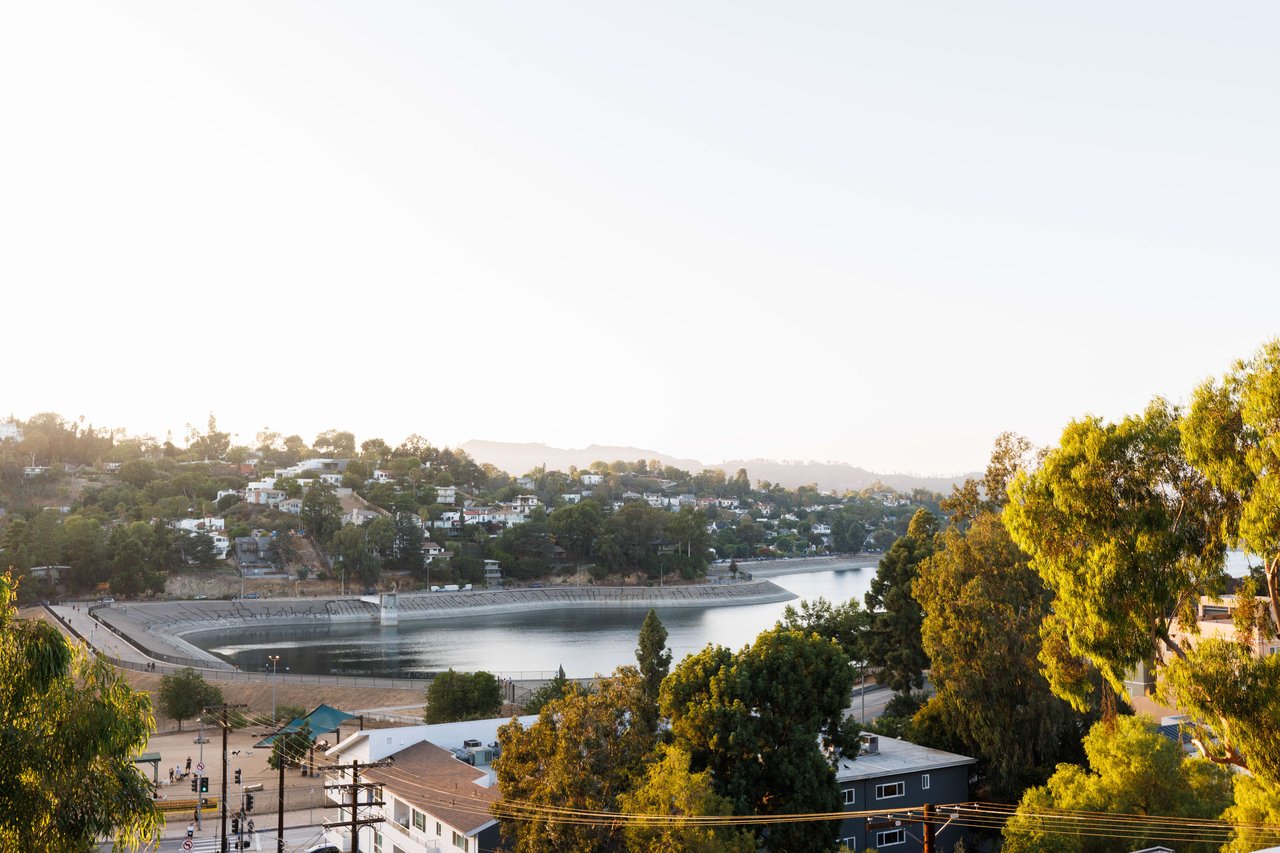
188, 764
170, 775
191, 830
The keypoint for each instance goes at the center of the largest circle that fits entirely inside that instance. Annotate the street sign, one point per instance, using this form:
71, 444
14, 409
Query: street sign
187, 845
200, 766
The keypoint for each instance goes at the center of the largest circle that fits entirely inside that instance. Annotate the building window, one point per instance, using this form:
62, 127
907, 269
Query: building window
377, 842
890, 837
419, 821
848, 845
924, 781
890, 790
459, 841
848, 794
439, 831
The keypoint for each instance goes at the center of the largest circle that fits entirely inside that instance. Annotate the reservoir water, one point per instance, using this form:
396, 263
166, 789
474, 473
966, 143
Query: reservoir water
586, 641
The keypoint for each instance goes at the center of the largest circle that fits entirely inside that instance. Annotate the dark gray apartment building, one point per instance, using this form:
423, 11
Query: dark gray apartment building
890, 775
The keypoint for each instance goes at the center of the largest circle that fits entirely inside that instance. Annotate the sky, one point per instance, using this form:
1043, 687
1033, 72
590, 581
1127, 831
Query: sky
877, 233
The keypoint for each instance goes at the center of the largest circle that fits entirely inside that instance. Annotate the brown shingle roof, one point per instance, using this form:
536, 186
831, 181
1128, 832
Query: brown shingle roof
431, 780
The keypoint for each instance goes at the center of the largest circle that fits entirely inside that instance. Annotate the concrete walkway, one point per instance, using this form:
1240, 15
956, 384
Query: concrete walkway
77, 616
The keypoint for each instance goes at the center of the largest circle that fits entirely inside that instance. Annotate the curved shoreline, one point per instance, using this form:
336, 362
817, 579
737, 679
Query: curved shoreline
162, 627
799, 565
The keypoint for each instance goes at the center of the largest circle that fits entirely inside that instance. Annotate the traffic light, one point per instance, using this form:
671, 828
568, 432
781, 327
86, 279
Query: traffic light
204, 784
193, 784
235, 826
237, 776
248, 802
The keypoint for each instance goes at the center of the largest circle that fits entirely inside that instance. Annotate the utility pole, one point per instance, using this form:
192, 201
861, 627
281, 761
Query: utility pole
200, 773
224, 721
280, 812
928, 828
357, 822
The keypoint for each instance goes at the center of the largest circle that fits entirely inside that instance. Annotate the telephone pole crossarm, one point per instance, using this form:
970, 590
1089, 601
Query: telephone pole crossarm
356, 823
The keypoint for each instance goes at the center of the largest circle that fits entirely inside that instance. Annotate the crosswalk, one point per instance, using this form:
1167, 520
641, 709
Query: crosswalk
212, 845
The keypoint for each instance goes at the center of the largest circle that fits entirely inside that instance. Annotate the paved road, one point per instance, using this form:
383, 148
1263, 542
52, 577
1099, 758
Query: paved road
297, 838
871, 704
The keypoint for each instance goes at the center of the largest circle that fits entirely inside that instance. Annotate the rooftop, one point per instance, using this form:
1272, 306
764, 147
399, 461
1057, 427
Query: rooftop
431, 779
895, 757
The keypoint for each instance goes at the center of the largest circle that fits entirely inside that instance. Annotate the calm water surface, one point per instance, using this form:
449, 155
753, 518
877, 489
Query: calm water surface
585, 641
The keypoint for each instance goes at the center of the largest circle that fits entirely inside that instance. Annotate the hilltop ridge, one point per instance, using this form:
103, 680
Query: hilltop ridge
516, 458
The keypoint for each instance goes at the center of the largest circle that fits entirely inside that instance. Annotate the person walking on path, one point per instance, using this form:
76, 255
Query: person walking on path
191, 830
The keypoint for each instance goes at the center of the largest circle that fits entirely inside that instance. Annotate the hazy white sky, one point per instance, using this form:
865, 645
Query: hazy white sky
874, 232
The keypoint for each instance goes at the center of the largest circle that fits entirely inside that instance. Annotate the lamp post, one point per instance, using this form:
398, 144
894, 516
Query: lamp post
275, 662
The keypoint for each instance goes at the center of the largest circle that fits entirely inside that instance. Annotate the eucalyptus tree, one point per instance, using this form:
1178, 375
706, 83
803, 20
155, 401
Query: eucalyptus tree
71, 727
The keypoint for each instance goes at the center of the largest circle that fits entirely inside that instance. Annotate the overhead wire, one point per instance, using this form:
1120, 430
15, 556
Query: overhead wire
972, 815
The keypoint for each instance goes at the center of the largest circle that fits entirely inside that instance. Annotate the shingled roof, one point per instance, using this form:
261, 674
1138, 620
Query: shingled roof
430, 779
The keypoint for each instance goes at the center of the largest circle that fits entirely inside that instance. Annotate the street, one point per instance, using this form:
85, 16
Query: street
297, 838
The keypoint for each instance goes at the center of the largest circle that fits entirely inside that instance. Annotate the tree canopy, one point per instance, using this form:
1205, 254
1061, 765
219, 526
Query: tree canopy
584, 752
1118, 525
70, 727
758, 719
892, 640
454, 696
185, 693
983, 606
1133, 770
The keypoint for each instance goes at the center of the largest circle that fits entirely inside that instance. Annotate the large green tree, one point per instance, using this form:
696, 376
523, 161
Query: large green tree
321, 512
1232, 434
654, 659
584, 752
576, 527
454, 696
70, 727
758, 719
353, 556
982, 611
1133, 770
1119, 527
892, 641
845, 623
409, 553
670, 789
185, 693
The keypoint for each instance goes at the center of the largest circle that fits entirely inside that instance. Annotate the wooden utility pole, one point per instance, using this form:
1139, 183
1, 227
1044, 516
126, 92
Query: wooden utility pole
357, 823
928, 828
224, 721
280, 812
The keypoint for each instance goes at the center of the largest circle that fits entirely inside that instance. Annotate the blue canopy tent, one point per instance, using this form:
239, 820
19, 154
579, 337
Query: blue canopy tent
323, 719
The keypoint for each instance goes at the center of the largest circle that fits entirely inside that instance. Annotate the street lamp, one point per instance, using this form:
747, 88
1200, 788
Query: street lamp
275, 663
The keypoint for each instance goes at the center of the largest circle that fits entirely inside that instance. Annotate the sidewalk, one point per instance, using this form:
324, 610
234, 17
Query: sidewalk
77, 616
263, 822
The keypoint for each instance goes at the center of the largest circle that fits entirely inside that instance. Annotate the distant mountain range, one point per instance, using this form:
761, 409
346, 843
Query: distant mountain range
517, 459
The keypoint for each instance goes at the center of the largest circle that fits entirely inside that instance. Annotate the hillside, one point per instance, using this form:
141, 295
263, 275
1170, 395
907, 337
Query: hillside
517, 459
